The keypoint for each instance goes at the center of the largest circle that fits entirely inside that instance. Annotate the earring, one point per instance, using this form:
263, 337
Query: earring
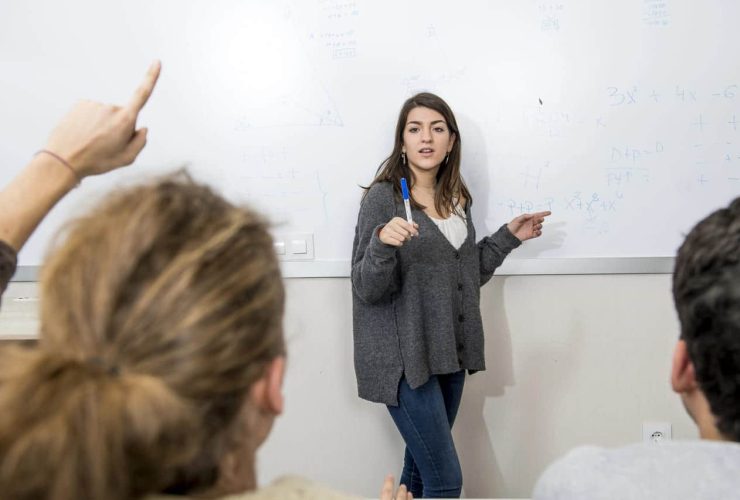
403, 157
447, 158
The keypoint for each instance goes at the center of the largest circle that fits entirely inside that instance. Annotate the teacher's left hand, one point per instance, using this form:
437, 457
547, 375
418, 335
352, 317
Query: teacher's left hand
527, 226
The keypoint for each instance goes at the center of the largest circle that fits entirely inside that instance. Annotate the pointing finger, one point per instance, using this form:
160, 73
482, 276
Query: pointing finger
141, 95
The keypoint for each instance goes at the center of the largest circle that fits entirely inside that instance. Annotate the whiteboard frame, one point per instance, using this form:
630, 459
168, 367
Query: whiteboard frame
510, 267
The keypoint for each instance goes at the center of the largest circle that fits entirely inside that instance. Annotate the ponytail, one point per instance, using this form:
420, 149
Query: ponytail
159, 312
74, 429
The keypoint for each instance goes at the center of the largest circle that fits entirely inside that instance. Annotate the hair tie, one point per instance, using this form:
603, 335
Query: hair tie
100, 365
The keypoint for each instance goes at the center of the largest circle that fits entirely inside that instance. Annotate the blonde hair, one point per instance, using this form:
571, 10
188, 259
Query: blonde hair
158, 312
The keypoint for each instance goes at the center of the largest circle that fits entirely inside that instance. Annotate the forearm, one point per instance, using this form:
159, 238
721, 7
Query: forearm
373, 268
27, 199
493, 250
373, 280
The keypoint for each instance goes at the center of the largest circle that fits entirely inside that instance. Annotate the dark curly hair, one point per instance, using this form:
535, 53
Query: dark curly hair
706, 289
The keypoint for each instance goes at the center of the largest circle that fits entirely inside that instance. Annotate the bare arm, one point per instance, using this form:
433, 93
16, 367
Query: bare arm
92, 139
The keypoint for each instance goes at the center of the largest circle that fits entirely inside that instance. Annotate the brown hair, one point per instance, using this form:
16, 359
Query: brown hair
450, 184
159, 311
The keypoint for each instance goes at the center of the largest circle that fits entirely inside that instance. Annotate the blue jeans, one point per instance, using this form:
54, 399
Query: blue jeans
424, 416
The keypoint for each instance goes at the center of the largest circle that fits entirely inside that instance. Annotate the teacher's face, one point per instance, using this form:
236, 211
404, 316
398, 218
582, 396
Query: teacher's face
426, 139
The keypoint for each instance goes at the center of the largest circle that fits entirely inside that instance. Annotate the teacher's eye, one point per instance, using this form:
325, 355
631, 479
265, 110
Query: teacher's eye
413, 130
440, 130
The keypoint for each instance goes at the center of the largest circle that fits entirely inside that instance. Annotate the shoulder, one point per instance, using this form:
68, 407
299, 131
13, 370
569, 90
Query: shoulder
380, 191
719, 455
669, 470
379, 198
564, 470
565, 478
293, 488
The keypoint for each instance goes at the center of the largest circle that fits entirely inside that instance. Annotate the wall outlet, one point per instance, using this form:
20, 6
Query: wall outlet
656, 432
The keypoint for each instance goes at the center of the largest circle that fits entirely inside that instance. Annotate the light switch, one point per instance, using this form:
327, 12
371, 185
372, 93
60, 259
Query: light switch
294, 246
298, 247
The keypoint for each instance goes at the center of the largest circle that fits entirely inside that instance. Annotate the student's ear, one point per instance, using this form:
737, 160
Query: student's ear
683, 376
452, 141
267, 392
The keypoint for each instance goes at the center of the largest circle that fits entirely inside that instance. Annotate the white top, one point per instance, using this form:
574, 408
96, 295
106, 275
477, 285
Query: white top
675, 470
454, 227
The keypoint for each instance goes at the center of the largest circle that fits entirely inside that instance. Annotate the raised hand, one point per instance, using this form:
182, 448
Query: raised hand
94, 138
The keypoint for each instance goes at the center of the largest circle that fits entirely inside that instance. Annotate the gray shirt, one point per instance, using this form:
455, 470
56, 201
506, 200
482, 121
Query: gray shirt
416, 309
677, 470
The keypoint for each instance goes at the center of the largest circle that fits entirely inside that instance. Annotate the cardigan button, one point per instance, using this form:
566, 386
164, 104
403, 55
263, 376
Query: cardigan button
459, 286
461, 318
457, 255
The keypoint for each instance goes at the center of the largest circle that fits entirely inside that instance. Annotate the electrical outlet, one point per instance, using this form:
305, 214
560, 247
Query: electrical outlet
656, 432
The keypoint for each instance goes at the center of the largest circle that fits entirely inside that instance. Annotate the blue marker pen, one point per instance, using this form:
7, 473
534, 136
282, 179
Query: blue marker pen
406, 204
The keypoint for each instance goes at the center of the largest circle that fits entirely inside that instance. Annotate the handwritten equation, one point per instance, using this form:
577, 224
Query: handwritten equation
656, 13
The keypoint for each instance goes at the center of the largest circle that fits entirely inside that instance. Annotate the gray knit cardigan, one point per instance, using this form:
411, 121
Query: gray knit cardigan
416, 309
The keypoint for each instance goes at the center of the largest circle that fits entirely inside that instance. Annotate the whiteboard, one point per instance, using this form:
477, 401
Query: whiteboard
620, 117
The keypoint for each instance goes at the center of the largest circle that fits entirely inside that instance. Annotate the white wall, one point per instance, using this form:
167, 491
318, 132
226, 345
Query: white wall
571, 360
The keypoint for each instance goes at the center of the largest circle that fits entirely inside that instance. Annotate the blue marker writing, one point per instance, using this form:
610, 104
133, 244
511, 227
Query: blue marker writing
406, 204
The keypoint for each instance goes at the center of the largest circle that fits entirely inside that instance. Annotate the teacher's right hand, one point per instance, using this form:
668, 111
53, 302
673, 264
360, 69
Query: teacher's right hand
398, 231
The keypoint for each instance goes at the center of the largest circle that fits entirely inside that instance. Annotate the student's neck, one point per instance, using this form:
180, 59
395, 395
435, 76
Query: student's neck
708, 430
237, 475
698, 407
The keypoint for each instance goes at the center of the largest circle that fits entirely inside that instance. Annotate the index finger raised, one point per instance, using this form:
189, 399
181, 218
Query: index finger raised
142, 93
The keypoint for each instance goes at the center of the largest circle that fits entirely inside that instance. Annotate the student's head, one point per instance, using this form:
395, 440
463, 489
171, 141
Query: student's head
706, 289
161, 353
426, 120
